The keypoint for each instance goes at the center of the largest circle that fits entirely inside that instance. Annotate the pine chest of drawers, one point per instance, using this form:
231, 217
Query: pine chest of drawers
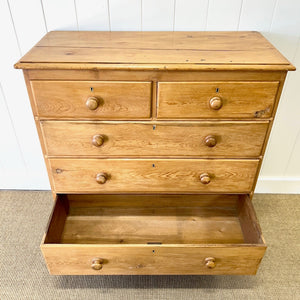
153, 144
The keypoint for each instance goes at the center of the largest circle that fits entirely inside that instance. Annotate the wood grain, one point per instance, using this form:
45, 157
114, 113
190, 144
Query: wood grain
155, 40
249, 223
39, 130
181, 225
79, 201
57, 219
195, 49
152, 259
151, 67
240, 99
157, 75
236, 139
153, 175
67, 99
74, 55
90, 222
121, 237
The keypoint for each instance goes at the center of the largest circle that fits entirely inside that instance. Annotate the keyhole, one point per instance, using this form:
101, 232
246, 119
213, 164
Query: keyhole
92, 89
217, 90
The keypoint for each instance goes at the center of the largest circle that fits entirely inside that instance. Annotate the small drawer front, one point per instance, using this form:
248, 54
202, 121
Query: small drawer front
192, 100
154, 260
92, 99
149, 175
235, 139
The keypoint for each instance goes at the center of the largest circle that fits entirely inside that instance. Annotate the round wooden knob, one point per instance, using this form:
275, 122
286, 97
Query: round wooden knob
92, 103
215, 103
210, 141
205, 178
97, 263
210, 262
98, 140
101, 178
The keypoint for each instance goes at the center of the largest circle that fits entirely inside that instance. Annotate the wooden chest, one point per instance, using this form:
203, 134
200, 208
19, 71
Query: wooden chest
153, 143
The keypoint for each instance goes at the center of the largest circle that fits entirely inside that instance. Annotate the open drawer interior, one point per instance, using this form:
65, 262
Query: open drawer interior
152, 234
153, 219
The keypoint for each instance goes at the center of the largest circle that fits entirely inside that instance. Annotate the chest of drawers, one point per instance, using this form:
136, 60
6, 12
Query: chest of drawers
153, 142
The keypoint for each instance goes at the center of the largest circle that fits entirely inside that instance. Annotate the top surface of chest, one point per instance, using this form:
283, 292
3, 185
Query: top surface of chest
154, 50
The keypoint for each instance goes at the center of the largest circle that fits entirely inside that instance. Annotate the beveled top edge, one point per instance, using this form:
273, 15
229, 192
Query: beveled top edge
154, 51
157, 67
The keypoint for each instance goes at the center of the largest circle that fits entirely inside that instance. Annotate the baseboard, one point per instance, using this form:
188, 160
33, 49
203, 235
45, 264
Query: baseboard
278, 185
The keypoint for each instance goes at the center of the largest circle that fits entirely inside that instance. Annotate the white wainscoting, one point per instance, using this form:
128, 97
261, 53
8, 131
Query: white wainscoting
23, 23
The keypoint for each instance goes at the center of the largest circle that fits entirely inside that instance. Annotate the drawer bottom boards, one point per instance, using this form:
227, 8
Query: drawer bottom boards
153, 234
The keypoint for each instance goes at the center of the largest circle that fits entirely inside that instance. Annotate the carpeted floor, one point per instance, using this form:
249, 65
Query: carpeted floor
23, 273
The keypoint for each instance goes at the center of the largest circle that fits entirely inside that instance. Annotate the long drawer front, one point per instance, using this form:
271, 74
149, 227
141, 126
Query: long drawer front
139, 260
227, 139
153, 175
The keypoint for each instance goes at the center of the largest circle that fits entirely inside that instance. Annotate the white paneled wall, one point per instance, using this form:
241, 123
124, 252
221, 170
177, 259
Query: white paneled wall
23, 23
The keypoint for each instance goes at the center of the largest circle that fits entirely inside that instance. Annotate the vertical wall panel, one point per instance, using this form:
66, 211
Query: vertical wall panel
158, 15
257, 15
92, 15
285, 27
60, 15
125, 15
16, 98
223, 15
193, 11
13, 171
284, 34
29, 22
293, 165
11, 159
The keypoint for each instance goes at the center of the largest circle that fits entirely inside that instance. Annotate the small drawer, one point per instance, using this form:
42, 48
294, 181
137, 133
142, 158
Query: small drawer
228, 100
153, 175
221, 139
154, 234
92, 99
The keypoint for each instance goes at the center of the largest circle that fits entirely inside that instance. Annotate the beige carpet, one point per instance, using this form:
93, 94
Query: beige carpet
23, 273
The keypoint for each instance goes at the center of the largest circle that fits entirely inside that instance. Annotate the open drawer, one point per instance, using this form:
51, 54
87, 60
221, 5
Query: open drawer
153, 234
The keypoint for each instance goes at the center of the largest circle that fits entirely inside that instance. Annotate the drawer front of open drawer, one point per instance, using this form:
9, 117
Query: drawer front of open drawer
143, 234
179, 100
154, 260
149, 175
92, 99
235, 139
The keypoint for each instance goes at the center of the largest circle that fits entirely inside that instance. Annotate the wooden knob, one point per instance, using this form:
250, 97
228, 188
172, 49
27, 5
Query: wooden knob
97, 263
210, 141
101, 178
205, 178
215, 103
98, 140
210, 262
92, 103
